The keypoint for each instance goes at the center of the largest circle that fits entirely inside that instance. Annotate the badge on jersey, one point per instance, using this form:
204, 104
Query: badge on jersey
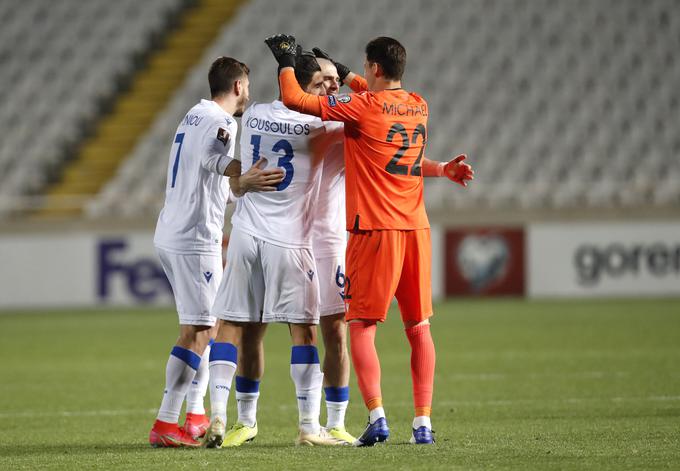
331, 100
344, 98
223, 136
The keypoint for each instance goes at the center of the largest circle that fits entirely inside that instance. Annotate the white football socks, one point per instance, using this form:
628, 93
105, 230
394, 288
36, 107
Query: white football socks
422, 421
376, 414
199, 385
337, 399
247, 394
179, 372
308, 378
222, 369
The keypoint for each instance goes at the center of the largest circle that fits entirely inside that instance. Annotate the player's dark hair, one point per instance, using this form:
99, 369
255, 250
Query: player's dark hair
305, 68
389, 54
223, 73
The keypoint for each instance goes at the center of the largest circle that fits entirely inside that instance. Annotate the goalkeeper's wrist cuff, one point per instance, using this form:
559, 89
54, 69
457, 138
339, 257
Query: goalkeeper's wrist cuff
441, 169
286, 60
343, 71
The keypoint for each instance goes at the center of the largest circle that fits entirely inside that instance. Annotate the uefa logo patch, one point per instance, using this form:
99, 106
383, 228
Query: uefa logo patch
331, 100
223, 136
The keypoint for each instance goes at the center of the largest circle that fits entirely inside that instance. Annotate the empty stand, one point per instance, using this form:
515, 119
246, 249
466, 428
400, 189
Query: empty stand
559, 104
60, 64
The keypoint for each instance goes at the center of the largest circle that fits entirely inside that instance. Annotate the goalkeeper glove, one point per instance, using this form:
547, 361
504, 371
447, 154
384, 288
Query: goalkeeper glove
457, 171
283, 48
343, 70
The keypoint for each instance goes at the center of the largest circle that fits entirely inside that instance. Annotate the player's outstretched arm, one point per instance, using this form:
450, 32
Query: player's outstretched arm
356, 82
455, 170
256, 179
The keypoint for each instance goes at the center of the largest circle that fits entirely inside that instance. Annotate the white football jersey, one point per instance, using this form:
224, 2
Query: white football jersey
329, 233
196, 191
283, 217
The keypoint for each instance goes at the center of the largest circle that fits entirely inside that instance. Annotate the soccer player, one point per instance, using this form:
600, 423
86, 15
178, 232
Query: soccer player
271, 275
389, 252
329, 240
188, 240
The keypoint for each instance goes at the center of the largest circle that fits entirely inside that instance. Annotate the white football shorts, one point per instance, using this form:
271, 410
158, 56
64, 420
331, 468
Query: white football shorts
194, 279
331, 270
264, 282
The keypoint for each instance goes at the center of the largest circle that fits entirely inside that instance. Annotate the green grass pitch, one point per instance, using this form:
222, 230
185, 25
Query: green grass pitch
520, 385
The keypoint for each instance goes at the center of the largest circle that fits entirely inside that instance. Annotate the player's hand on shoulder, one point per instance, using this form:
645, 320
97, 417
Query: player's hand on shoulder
257, 179
284, 49
458, 171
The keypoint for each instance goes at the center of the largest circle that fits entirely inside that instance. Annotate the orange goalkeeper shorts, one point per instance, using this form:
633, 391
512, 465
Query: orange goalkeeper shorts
382, 264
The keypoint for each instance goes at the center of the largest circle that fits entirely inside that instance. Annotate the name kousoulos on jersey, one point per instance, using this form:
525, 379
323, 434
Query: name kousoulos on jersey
283, 217
196, 192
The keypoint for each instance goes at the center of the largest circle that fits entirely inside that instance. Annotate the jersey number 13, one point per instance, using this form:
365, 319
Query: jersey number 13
285, 161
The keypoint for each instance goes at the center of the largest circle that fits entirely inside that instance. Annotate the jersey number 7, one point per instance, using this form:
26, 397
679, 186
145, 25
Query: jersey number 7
393, 166
179, 138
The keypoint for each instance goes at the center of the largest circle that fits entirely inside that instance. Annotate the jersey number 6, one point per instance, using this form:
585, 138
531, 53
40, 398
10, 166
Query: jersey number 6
393, 166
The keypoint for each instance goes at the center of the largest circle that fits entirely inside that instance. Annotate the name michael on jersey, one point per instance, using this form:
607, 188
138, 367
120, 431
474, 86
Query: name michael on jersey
277, 127
403, 109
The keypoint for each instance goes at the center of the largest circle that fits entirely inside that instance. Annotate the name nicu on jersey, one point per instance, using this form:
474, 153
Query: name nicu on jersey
192, 120
277, 127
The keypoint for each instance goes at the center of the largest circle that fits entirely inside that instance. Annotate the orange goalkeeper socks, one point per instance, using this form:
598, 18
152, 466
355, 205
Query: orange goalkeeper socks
422, 367
365, 361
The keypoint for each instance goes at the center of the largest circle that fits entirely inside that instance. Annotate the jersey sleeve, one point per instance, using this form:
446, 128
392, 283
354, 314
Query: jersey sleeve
358, 84
219, 145
294, 97
231, 197
347, 107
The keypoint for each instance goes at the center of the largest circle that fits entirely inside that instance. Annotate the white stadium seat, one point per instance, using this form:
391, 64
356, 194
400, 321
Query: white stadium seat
558, 104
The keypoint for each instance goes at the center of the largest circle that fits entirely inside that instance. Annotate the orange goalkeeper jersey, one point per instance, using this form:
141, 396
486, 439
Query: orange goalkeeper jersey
384, 138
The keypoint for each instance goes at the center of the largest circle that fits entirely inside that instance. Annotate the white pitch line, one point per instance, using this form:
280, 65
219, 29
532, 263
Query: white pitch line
511, 402
80, 413
504, 376
488, 403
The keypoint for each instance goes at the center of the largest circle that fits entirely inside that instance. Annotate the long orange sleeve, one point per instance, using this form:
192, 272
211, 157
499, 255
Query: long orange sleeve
358, 84
295, 97
432, 168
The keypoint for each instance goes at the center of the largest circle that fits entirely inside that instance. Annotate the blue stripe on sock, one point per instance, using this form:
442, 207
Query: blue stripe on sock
337, 394
187, 356
246, 385
211, 342
223, 352
305, 354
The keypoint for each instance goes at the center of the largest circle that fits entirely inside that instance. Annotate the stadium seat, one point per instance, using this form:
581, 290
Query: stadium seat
558, 104
61, 61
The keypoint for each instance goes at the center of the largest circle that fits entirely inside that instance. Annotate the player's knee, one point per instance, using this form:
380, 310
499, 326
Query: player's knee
303, 334
409, 324
334, 332
194, 337
228, 332
336, 342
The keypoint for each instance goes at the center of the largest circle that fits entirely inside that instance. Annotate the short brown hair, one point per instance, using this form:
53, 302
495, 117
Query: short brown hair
223, 73
389, 54
305, 68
